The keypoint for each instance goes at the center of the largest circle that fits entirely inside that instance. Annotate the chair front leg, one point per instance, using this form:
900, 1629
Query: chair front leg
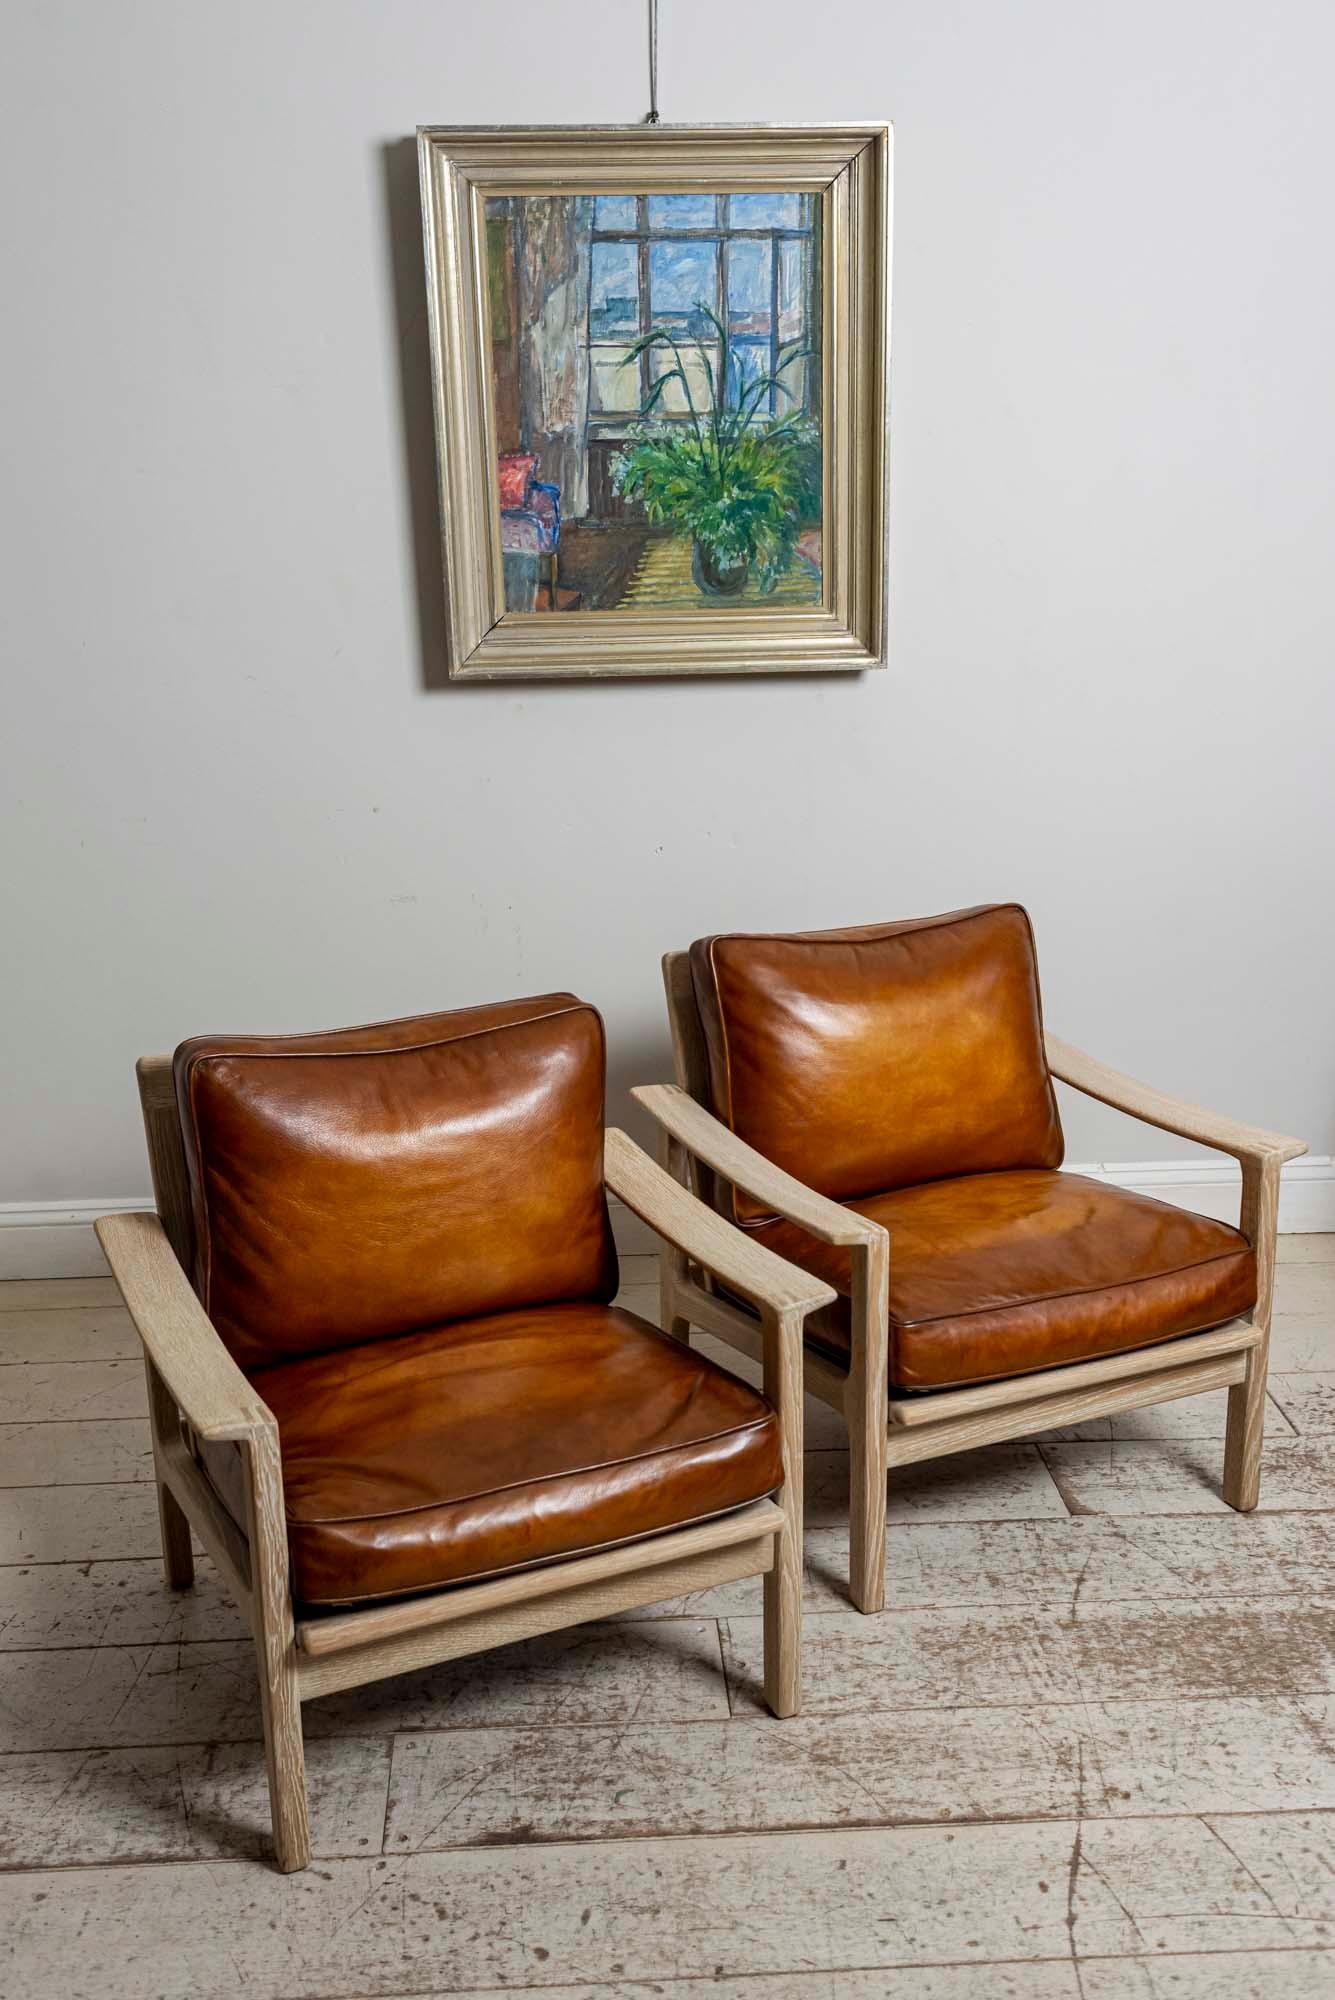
1246, 1399
866, 1411
275, 1646
783, 1583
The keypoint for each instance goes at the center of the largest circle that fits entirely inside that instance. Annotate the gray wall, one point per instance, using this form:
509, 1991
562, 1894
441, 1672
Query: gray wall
235, 800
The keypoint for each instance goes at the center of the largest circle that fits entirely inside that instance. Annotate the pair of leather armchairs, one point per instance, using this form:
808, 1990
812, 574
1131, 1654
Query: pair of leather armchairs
391, 1394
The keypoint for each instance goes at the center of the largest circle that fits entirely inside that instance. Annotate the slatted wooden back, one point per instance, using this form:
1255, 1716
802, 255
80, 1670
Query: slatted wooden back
166, 1155
691, 1060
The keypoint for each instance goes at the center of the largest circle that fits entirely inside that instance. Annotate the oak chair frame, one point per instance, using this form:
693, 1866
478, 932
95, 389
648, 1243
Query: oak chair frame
196, 1392
887, 1429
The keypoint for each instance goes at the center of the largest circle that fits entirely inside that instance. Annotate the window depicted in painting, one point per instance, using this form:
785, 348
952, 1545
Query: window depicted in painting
656, 389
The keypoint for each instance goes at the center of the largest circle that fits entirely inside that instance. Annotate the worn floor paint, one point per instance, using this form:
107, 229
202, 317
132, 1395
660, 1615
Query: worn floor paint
1088, 1754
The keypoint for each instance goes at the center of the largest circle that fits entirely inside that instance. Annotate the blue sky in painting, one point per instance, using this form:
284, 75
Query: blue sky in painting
765, 211
614, 211
614, 290
682, 211
679, 275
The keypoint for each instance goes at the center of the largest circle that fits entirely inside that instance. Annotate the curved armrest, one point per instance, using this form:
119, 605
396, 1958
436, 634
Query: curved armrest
1170, 1114
178, 1336
709, 1140
744, 1265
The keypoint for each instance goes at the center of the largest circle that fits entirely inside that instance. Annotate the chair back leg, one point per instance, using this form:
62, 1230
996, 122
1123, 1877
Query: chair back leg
178, 1559
866, 1412
1246, 1399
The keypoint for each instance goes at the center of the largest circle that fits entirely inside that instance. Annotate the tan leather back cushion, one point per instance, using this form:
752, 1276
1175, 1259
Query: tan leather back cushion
870, 1059
374, 1180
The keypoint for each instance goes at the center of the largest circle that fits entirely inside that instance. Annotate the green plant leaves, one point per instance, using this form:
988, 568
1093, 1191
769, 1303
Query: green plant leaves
738, 483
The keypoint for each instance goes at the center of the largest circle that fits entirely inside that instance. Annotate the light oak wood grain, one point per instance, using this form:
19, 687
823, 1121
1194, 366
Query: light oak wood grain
707, 1139
177, 1335
546, 1612
1170, 1114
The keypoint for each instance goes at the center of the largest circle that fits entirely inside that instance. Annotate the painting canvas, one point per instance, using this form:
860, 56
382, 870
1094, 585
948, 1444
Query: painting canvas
655, 367
660, 360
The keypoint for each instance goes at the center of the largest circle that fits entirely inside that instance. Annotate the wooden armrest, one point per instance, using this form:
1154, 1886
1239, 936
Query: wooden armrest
709, 1140
179, 1338
1170, 1114
744, 1265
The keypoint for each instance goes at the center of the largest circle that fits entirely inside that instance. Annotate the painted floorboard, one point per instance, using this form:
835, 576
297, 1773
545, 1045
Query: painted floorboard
1087, 1760
99, 1334
1185, 1477
950, 1659
46, 1524
1308, 1402
1002, 1482
181, 1803
1271, 1975
1105, 1558
68, 1391
1107, 1732
57, 1294
663, 1909
108, 1696
74, 1454
57, 1605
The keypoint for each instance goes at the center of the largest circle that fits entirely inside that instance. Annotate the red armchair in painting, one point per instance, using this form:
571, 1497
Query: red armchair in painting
530, 535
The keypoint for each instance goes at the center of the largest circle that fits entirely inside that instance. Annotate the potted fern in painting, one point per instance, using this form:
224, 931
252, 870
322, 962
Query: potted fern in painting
736, 477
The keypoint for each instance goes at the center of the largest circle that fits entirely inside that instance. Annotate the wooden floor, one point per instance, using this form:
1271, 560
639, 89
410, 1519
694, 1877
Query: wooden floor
1095, 1762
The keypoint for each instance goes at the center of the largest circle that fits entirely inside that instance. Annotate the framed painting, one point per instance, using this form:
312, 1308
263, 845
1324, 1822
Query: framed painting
661, 375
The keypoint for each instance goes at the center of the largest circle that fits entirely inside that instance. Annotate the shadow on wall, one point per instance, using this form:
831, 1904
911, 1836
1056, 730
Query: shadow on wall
407, 273
631, 1059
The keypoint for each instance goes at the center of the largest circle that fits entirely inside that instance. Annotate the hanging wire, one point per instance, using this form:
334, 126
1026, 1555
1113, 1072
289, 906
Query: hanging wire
652, 119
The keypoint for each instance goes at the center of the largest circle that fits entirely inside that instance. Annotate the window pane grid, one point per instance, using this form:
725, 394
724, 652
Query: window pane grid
749, 264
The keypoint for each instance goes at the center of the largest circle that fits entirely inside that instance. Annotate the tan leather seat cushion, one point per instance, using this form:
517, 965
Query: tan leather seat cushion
1000, 1274
495, 1443
881, 1057
373, 1180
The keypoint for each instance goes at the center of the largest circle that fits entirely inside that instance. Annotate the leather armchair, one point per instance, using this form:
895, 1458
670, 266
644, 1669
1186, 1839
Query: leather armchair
877, 1106
387, 1386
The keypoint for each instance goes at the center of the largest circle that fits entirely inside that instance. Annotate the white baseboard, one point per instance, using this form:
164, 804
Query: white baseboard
54, 1239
